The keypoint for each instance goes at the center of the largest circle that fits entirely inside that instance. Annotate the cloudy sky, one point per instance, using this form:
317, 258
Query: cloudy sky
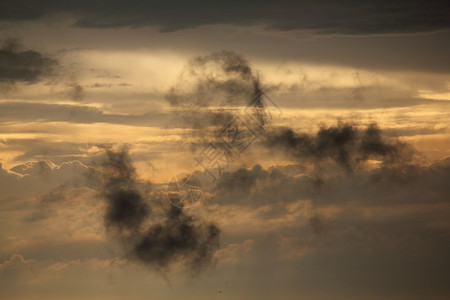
224, 149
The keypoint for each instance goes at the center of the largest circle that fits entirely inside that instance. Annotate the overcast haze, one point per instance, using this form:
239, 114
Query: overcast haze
311, 140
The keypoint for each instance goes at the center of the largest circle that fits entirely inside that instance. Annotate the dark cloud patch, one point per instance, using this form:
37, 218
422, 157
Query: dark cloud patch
317, 225
148, 237
179, 235
390, 185
258, 187
19, 65
242, 179
126, 208
211, 91
218, 79
347, 17
345, 144
76, 92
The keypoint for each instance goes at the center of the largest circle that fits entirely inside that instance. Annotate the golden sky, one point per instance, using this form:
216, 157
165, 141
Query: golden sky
332, 184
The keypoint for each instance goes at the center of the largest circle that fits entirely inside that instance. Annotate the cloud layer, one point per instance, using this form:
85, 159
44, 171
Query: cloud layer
348, 17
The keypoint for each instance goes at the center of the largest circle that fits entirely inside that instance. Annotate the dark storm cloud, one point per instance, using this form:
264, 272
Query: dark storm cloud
19, 65
348, 17
345, 144
146, 236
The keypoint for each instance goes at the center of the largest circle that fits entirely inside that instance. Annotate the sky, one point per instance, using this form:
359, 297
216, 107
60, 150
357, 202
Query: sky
224, 149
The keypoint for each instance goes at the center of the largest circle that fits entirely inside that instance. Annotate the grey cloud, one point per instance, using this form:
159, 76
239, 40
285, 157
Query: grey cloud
218, 79
211, 90
126, 207
350, 262
179, 235
420, 52
344, 144
146, 236
385, 186
258, 187
18, 65
375, 219
409, 52
348, 17
242, 179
